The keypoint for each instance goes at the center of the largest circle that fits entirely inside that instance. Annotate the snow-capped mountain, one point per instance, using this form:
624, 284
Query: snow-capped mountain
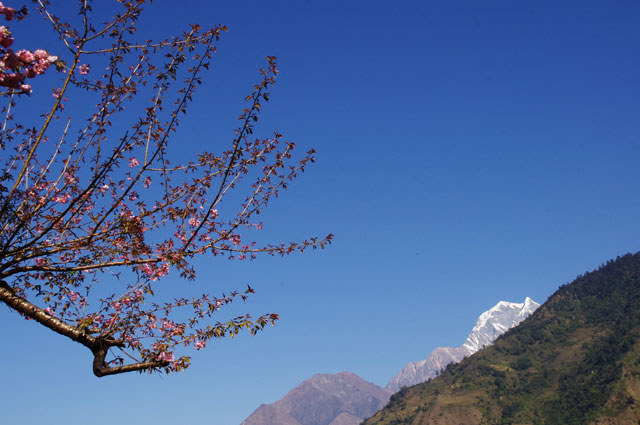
490, 325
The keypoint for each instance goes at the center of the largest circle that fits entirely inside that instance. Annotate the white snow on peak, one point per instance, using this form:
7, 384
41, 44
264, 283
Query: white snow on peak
490, 325
496, 321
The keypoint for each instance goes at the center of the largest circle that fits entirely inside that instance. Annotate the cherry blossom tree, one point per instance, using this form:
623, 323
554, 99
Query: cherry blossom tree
95, 199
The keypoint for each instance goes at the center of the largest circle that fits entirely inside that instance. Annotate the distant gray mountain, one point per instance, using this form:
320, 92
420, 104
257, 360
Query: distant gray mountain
341, 399
490, 325
346, 399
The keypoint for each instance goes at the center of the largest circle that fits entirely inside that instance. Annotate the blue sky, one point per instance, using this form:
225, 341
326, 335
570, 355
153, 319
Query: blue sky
468, 152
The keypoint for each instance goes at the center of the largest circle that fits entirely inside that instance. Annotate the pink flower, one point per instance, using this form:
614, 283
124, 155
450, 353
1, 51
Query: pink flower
147, 182
84, 69
104, 188
200, 344
165, 357
133, 162
73, 295
61, 199
214, 213
41, 54
163, 270
8, 12
26, 56
70, 178
40, 261
194, 222
49, 311
11, 60
5, 37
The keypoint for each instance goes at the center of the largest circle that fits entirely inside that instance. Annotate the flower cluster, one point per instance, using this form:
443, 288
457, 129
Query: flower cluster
15, 67
8, 12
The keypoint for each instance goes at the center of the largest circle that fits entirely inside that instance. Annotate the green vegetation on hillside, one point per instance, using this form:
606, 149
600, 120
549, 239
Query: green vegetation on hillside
577, 358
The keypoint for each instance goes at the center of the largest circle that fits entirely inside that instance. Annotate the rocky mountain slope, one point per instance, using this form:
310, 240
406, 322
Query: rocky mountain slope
576, 360
346, 399
491, 324
340, 399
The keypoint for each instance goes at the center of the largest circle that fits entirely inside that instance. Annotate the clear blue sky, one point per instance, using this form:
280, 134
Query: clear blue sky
469, 152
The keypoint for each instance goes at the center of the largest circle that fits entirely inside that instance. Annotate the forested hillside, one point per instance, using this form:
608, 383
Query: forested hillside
574, 361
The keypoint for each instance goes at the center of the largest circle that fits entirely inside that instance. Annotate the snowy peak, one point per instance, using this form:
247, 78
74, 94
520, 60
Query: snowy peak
496, 321
490, 325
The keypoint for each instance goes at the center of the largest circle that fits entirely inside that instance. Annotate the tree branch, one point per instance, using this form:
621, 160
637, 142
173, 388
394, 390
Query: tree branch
101, 369
99, 346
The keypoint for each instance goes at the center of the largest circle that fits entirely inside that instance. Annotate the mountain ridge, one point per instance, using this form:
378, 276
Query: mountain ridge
574, 361
324, 399
490, 324
331, 399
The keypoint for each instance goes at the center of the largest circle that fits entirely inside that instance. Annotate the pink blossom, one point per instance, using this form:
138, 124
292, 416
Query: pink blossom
104, 188
26, 56
70, 178
73, 295
155, 272
40, 261
163, 270
165, 357
112, 321
214, 213
147, 182
61, 199
200, 344
11, 60
49, 311
41, 54
194, 222
5, 37
167, 325
84, 69
8, 12
133, 162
